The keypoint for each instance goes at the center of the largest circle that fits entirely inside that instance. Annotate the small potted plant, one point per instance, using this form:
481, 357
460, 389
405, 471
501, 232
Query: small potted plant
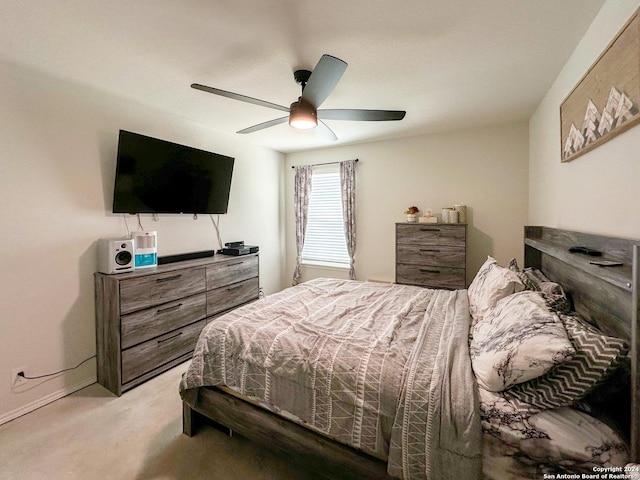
412, 214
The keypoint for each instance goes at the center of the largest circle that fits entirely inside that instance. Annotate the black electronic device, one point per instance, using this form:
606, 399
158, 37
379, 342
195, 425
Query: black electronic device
234, 244
181, 257
606, 263
239, 248
156, 176
585, 250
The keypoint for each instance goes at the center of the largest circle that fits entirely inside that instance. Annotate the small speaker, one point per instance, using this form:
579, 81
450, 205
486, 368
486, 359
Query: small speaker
115, 255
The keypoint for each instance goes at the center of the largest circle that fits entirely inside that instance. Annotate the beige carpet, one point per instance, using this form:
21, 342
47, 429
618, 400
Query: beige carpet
94, 435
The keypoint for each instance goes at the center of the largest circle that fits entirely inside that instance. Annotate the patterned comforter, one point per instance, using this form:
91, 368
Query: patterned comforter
383, 368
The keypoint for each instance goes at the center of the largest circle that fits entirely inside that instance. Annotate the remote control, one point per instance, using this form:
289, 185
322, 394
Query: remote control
585, 250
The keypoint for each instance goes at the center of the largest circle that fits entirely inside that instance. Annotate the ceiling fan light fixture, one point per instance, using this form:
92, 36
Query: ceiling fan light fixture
303, 115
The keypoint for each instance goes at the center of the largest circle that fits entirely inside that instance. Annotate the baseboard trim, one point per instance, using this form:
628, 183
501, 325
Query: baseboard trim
52, 397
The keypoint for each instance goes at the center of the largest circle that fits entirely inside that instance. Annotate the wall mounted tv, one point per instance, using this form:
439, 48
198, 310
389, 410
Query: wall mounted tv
156, 176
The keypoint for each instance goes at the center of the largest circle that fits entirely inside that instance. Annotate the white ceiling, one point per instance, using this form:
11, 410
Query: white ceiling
450, 64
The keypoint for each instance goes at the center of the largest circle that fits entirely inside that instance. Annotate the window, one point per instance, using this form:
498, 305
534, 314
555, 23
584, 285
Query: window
324, 240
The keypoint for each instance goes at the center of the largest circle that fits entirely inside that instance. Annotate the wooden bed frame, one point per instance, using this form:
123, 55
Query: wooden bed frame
606, 296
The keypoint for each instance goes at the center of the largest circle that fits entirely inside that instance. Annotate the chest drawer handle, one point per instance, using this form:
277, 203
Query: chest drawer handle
234, 264
169, 338
166, 279
434, 250
169, 309
429, 229
428, 270
231, 289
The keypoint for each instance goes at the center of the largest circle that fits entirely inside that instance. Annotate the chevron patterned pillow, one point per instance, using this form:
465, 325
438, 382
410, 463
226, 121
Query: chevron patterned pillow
597, 356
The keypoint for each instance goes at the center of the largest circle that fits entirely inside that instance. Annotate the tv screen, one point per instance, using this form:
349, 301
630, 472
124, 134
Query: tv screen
156, 176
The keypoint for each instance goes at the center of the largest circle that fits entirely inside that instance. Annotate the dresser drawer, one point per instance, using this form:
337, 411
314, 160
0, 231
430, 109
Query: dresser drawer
145, 324
439, 255
150, 290
433, 277
237, 269
232, 295
142, 358
447, 235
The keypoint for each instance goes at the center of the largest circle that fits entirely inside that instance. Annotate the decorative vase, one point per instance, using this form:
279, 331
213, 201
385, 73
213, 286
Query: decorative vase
462, 213
412, 217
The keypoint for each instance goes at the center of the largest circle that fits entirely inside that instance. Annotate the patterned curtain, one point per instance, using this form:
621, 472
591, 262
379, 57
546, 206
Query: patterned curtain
348, 184
301, 206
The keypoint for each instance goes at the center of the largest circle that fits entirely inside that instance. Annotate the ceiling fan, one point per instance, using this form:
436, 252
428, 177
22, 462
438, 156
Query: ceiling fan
304, 113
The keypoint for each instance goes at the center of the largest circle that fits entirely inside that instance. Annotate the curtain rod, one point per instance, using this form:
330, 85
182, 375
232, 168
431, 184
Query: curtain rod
328, 163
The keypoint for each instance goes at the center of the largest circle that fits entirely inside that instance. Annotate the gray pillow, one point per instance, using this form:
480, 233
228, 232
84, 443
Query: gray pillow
597, 356
533, 279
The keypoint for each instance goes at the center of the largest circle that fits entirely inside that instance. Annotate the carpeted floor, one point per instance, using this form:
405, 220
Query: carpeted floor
94, 435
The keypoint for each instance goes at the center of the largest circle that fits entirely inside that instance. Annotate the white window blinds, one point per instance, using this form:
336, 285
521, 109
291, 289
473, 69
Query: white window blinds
324, 240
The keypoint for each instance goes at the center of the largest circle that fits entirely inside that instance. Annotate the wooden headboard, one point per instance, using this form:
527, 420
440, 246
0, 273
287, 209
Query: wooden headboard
606, 296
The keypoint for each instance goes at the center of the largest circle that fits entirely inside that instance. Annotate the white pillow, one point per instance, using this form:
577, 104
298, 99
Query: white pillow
517, 340
491, 284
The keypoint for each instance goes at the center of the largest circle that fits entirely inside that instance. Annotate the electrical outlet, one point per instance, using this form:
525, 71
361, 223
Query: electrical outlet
17, 380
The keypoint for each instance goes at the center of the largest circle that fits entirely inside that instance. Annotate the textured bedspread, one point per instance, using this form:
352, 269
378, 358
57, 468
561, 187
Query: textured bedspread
437, 428
365, 363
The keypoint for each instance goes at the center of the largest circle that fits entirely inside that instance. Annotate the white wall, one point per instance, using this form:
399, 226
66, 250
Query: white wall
485, 169
599, 191
58, 142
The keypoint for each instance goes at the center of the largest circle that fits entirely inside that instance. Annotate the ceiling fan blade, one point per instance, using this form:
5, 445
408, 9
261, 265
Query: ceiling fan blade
324, 132
323, 79
237, 96
361, 115
262, 126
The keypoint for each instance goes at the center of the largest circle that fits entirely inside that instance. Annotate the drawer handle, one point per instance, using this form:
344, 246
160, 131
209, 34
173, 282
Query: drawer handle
434, 250
168, 309
429, 229
169, 338
230, 289
234, 264
428, 270
166, 279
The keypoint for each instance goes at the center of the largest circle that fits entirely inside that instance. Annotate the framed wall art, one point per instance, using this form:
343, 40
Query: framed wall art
606, 101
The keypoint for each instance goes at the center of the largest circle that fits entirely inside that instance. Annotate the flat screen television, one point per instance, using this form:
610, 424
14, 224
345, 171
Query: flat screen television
156, 176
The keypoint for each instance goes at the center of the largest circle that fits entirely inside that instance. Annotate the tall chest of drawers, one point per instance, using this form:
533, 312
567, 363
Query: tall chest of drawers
148, 321
431, 255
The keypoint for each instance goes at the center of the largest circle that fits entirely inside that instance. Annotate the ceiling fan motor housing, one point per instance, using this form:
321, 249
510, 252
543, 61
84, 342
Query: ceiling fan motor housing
302, 77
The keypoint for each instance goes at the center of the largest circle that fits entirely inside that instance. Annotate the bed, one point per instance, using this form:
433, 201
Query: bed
368, 380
